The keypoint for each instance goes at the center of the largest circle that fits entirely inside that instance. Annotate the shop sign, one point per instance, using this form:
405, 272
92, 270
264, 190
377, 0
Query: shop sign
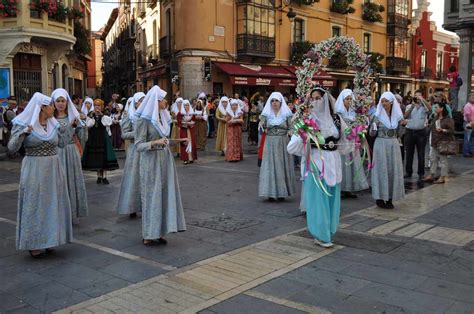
30, 48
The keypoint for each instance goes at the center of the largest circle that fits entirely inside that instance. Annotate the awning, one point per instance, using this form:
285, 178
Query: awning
153, 72
321, 77
257, 75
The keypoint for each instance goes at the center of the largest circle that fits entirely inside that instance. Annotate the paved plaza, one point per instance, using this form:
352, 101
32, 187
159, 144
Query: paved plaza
242, 254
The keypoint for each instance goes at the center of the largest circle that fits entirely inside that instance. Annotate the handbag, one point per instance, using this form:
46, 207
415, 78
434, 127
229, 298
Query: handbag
447, 147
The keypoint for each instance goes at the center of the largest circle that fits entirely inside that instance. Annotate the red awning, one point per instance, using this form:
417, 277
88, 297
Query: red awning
321, 77
257, 75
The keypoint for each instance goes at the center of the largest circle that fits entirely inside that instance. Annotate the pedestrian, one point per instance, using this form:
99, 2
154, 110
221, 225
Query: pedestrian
186, 125
162, 210
200, 115
44, 211
353, 175
442, 131
99, 154
8, 115
175, 109
245, 110
416, 134
277, 173
221, 114
70, 121
455, 83
117, 141
387, 174
253, 120
211, 110
322, 166
129, 202
233, 151
468, 145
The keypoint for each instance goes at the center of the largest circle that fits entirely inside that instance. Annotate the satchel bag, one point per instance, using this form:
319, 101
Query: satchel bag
447, 147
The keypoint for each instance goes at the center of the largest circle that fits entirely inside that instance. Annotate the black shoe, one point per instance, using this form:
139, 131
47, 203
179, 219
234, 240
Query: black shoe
389, 204
99, 180
271, 199
281, 199
348, 195
105, 181
133, 215
381, 204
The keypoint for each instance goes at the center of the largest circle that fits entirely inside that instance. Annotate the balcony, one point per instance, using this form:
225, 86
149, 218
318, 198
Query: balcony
255, 46
396, 65
426, 74
152, 53
165, 47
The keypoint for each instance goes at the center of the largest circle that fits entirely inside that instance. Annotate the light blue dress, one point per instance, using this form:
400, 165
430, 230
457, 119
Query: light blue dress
44, 211
129, 197
162, 211
71, 161
387, 174
277, 174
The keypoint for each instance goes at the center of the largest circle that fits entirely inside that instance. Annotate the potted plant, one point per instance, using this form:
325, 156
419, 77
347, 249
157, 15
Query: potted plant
342, 6
371, 12
8, 8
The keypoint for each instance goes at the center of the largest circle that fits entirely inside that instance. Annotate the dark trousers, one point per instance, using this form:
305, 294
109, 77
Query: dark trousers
415, 138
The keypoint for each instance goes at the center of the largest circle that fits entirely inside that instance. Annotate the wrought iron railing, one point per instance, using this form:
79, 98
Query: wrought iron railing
396, 64
255, 45
165, 46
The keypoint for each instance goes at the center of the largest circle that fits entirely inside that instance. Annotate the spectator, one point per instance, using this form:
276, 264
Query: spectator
415, 136
454, 83
468, 146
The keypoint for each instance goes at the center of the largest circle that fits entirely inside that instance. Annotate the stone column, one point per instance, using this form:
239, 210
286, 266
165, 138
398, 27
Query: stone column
465, 64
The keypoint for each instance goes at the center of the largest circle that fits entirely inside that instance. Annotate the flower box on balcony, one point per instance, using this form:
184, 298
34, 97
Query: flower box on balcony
8, 8
371, 12
342, 6
56, 10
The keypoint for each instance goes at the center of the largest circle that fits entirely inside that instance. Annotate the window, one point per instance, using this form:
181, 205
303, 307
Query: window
423, 60
439, 64
397, 47
336, 31
367, 42
454, 6
257, 18
155, 39
398, 7
298, 30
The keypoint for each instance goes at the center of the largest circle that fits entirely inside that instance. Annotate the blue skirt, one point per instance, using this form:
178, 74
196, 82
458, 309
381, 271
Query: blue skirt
322, 210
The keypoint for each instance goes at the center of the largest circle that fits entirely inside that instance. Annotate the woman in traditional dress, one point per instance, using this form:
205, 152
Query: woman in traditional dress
234, 123
44, 211
69, 119
322, 183
200, 116
99, 154
129, 202
86, 109
387, 174
221, 114
253, 118
277, 174
162, 211
186, 125
175, 109
115, 128
353, 175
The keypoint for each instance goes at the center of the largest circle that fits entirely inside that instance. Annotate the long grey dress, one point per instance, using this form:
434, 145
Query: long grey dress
71, 161
44, 212
277, 174
129, 197
162, 211
387, 174
353, 175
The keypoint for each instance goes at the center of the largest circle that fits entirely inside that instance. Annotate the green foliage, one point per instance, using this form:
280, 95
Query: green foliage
375, 59
342, 6
82, 45
8, 8
371, 12
298, 51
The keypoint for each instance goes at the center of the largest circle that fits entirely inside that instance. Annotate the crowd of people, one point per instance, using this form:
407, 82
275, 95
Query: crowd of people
62, 136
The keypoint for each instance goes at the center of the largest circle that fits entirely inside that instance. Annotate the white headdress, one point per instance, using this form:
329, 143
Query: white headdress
84, 109
229, 110
221, 108
283, 113
183, 109
202, 95
396, 115
149, 110
30, 116
347, 114
133, 106
321, 113
72, 112
127, 104
175, 108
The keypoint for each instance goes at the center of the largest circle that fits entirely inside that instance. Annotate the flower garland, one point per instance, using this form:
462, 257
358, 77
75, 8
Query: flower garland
360, 62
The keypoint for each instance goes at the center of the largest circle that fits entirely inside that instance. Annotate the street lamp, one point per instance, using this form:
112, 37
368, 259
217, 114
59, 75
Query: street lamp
419, 42
291, 15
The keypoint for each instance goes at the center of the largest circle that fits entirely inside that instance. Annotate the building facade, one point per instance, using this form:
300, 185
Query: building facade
119, 57
246, 46
95, 66
433, 52
459, 18
42, 51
